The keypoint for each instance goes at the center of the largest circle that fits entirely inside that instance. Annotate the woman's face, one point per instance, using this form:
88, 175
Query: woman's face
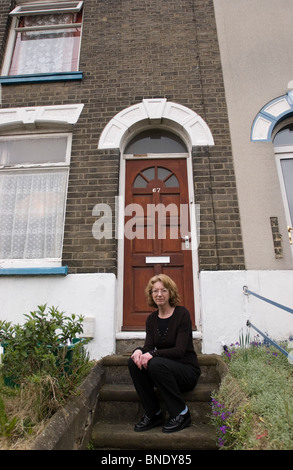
160, 294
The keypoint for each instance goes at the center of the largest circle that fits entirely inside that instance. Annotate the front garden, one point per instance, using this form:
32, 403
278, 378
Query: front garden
253, 410
43, 364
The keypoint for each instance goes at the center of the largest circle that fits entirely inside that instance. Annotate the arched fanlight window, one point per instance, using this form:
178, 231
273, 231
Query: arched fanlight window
165, 176
155, 141
284, 137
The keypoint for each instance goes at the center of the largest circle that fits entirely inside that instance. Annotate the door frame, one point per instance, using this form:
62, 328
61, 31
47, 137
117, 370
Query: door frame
193, 226
284, 153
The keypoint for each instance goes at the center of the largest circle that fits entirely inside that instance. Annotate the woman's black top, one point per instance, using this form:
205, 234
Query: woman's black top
171, 337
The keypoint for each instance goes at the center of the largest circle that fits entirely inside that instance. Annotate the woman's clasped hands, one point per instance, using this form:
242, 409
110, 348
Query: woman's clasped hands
141, 359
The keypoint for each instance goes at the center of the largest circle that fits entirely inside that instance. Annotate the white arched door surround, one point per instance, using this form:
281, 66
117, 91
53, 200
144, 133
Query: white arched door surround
269, 116
154, 114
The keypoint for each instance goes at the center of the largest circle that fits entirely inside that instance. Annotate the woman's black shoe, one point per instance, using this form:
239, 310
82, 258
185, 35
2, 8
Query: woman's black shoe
147, 423
177, 423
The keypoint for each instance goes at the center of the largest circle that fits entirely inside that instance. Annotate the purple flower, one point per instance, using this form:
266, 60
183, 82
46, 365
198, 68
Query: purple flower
221, 442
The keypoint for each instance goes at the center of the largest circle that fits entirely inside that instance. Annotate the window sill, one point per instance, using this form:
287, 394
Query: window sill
40, 78
61, 271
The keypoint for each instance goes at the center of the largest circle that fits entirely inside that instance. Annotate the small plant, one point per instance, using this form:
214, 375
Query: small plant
220, 419
244, 340
7, 425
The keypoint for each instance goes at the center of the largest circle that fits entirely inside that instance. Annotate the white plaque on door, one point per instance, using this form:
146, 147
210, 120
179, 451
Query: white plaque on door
157, 259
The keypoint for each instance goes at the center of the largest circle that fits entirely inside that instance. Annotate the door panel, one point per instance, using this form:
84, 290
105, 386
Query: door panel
156, 191
140, 277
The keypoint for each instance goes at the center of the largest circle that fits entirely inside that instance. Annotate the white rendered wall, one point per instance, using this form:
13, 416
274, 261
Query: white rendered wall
254, 38
90, 295
225, 309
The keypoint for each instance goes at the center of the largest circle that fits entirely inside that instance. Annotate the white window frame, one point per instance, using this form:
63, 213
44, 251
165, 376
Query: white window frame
40, 135
43, 8
37, 9
284, 153
39, 262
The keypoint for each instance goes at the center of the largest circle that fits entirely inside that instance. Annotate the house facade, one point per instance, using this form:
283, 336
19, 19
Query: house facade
146, 137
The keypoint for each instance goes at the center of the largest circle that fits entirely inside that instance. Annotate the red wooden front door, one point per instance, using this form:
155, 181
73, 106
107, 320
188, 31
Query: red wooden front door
156, 222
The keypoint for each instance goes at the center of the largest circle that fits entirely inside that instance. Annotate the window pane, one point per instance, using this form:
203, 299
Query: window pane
33, 150
155, 141
149, 173
172, 182
46, 51
284, 137
140, 182
32, 207
163, 173
287, 169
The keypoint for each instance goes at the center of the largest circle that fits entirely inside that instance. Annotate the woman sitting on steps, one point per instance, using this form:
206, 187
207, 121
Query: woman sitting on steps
167, 360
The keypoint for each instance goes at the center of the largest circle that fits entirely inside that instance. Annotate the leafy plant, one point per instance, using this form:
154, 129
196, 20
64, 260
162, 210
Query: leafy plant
41, 344
6, 425
44, 361
244, 340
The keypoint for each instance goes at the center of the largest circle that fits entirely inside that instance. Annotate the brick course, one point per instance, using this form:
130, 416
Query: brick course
130, 51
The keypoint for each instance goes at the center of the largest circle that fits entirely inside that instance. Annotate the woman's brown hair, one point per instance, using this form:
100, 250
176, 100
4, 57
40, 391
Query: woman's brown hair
168, 284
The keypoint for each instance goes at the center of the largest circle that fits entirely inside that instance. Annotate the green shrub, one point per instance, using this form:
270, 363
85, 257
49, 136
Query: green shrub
41, 344
42, 365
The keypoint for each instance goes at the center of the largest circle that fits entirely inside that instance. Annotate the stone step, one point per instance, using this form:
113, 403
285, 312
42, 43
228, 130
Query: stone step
120, 403
119, 409
126, 346
127, 392
117, 370
122, 436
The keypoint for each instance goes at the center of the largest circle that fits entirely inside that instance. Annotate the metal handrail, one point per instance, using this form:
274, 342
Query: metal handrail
283, 351
246, 291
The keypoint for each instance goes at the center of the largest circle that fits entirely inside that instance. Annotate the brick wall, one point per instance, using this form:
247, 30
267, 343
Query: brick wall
215, 191
5, 8
130, 51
